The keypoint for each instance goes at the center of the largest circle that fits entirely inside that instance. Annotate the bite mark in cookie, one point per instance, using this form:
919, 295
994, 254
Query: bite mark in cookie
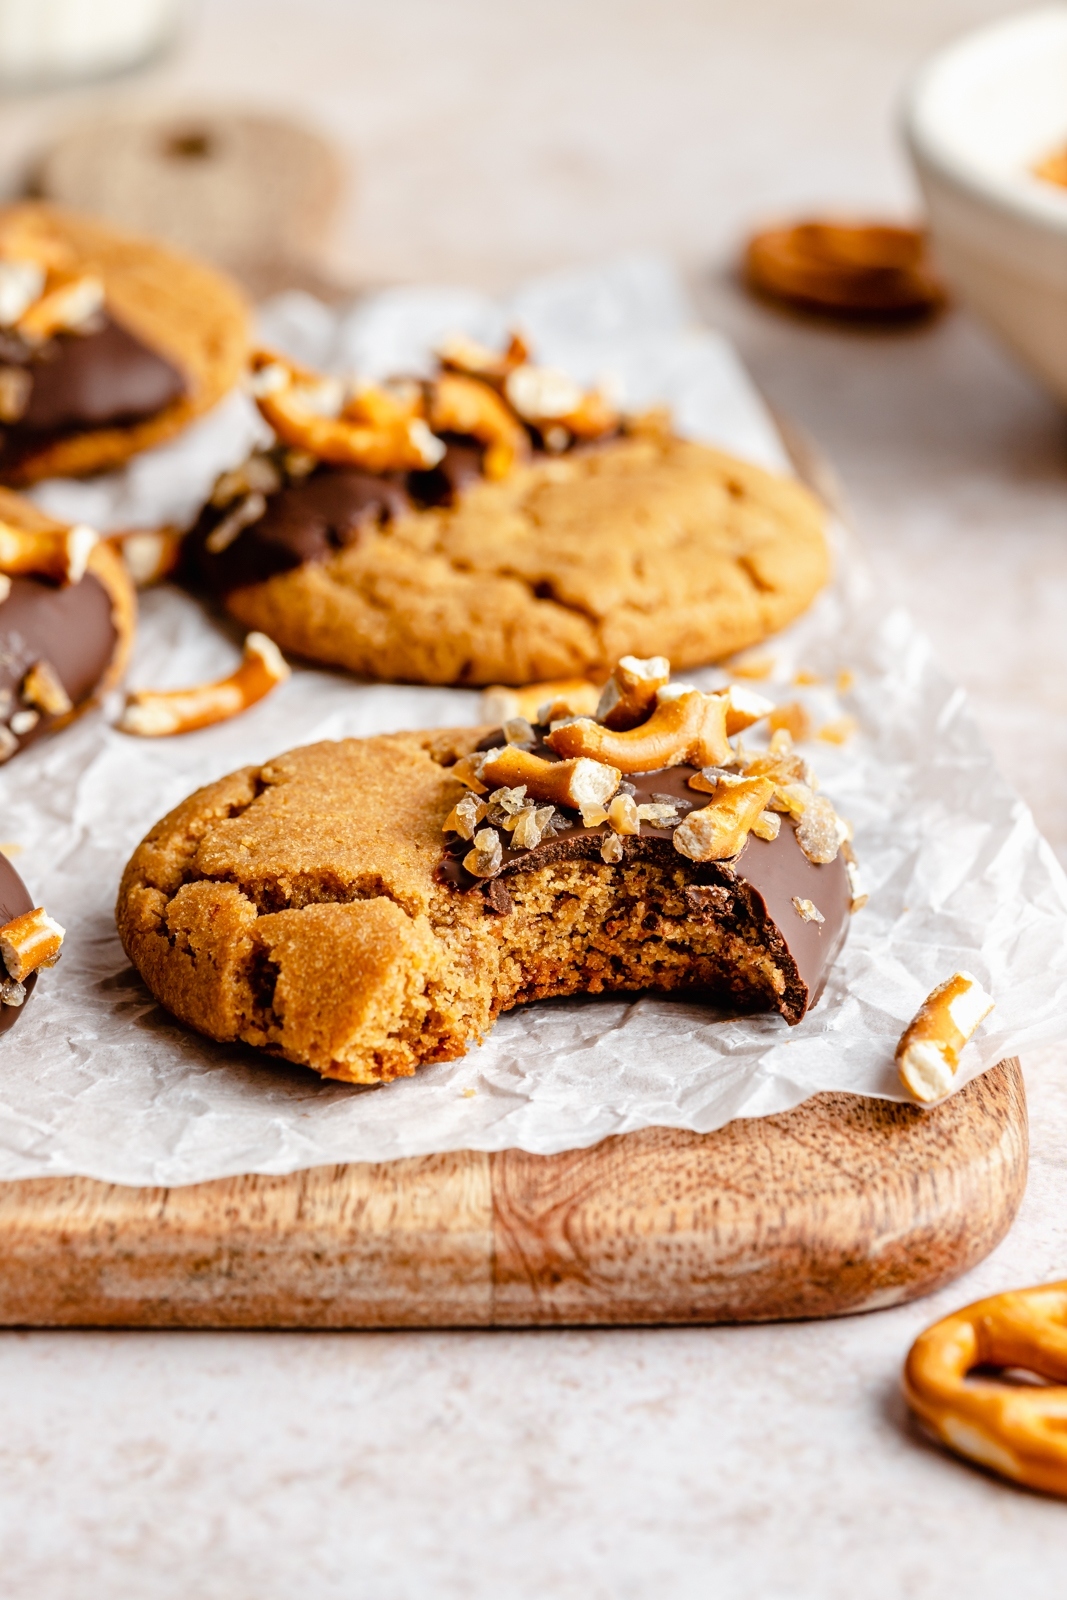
370, 905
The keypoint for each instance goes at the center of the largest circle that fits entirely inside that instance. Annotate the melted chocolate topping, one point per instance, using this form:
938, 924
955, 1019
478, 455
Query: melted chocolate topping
758, 885
71, 628
14, 901
80, 381
305, 521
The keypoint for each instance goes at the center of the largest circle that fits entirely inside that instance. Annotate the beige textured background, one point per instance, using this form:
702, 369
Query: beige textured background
490, 140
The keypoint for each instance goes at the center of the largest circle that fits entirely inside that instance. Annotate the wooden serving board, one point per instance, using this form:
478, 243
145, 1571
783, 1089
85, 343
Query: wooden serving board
844, 1204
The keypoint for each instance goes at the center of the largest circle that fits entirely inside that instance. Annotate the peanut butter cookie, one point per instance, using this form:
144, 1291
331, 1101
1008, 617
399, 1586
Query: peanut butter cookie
370, 905
109, 344
635, 543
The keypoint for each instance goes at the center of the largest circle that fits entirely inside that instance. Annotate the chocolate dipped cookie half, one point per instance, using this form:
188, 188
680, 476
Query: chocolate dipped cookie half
367, 906
68, 615
496, 524
109, 344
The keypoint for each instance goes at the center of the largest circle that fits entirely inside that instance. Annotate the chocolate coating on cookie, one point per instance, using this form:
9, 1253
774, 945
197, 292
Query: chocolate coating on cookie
15, 901
72, 628
305, 521
93, 380
755, 890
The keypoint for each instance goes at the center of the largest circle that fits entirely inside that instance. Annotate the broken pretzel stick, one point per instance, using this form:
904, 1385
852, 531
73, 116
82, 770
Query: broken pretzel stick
60, 555
148, 554
377, 429
575, 697
1016, 1430
154, 714
718, 832
575, 783
28, 942
928, 1054
690, 730
460, 404
629, 695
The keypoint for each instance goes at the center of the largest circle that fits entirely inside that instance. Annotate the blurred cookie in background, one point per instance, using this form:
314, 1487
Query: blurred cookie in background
109, 343
252, 192
874, 271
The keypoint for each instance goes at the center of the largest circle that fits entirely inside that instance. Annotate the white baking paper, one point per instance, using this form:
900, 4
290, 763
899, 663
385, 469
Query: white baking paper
98, 1079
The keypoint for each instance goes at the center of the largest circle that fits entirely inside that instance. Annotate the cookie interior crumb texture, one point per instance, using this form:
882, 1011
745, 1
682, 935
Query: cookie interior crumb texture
186, 311
300, 907
639, 546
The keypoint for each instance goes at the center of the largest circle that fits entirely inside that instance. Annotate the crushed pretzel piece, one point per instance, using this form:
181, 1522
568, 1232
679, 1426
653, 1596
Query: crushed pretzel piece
840, 731
611, 850
460, 353
517, 730
745, 707
28, 942
376, 429
243, 515
690, 730
148, 554
718, 831
21, 283
807, 910
630, 694
12, 993
928, 1054
468, 769
500, 703
67, 304
42, 689
793, 718
460, 404
753, 666
845, 680
487, 857
546, 398
8, 744
5, 587
576, 783
60, 555
804, 677
154, 714
795, 798
767, 825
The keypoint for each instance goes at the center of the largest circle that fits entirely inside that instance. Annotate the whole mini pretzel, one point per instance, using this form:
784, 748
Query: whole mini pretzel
1017, 1430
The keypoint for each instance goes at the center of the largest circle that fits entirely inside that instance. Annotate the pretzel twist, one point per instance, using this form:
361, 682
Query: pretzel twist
689, 730
1019, 1432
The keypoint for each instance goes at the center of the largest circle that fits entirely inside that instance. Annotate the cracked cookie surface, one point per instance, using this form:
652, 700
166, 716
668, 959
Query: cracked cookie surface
300, 907
645, 545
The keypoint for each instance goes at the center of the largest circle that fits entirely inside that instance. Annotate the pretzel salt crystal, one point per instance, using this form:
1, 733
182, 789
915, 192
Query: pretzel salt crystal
60, 555
28, 942
928, 1054
1015, 1430
154, 714
688, 731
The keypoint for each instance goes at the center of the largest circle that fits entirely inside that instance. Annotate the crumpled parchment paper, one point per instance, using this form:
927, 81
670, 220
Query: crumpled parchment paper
99, 1080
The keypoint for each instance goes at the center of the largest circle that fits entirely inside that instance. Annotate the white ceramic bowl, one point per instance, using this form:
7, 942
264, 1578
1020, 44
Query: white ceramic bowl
978, 115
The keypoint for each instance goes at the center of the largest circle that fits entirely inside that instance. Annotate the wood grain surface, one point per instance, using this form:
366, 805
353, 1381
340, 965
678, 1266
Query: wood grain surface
844, 1204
